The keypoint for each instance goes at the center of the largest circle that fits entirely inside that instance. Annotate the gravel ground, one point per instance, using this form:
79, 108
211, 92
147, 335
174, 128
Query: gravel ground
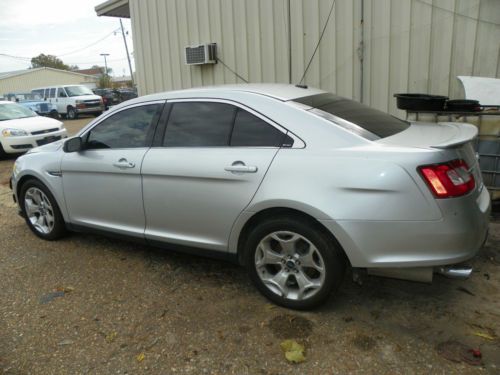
91, 305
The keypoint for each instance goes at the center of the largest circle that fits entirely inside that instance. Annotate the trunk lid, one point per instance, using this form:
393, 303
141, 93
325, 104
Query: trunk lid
449, 140
443, 135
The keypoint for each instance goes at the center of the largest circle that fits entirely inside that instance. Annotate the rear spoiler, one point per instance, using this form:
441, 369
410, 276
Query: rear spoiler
442, 135
467, 133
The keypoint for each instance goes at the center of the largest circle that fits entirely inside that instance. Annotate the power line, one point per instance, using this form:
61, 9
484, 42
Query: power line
319, 41
90, 45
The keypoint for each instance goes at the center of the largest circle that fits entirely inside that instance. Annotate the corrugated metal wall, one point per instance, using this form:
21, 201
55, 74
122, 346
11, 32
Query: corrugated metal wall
408, 45
40, 78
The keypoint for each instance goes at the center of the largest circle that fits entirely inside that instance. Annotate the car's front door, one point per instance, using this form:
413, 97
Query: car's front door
211, 161
102, 184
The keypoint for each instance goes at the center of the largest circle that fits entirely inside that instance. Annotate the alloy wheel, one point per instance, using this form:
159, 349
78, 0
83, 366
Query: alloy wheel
290, 265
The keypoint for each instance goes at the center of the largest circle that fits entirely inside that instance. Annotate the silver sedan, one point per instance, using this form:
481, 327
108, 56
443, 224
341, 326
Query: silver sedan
295, 183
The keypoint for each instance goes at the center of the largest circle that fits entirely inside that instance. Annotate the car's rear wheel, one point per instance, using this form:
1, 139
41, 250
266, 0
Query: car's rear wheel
71, 114
293, 262
41, 211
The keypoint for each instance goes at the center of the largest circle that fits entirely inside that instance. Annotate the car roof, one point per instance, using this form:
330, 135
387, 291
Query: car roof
283, 92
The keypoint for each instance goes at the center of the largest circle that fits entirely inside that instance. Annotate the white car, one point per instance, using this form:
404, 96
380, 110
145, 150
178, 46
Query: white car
22, 129
295, 183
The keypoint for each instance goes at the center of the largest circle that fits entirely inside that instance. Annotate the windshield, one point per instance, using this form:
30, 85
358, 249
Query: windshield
371, 120
78, 90
14, 111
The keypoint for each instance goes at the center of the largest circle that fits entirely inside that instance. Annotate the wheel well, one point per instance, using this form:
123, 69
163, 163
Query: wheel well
282, 212
22, 181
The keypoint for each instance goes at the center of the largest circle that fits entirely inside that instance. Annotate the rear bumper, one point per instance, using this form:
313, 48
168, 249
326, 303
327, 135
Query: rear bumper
408, 244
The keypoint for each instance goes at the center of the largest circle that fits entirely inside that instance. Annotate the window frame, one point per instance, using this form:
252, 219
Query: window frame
158, 141
149, 135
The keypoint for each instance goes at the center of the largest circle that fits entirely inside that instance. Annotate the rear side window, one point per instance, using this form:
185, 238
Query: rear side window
199, 124
126, 129
251, 131
52, 92
209, 124
374, 121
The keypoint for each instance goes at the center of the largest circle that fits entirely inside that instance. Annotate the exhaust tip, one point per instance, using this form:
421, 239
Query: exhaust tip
455, 272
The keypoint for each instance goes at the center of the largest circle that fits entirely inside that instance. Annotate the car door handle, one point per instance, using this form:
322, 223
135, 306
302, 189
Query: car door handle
240, 167
123, 164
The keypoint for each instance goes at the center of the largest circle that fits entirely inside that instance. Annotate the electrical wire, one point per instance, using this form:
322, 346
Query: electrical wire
319, 41
90, 45
232, 71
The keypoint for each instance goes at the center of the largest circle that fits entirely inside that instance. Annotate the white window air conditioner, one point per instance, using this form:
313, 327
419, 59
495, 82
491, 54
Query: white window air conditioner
202, 54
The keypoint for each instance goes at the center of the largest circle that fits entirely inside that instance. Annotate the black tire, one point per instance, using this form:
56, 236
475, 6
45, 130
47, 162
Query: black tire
332, 258
54, 114
71, 113
3, 154
58, 229
97, 114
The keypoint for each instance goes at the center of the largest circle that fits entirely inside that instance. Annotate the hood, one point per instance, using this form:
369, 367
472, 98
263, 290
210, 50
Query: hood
433, 135
31, 124
50, 147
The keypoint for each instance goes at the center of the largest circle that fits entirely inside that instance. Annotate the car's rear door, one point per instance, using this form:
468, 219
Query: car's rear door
102, 184
204, 171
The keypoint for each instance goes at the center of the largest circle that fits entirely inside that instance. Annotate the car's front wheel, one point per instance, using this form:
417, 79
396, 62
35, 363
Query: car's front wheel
41, 211
293, 262
71, 114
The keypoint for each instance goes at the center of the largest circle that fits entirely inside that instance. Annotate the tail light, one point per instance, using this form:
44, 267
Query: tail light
447, 180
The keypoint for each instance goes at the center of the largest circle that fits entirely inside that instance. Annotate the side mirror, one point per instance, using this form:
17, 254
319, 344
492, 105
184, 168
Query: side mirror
73, 145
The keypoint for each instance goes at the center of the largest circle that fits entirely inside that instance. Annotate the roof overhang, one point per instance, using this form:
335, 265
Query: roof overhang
113, 8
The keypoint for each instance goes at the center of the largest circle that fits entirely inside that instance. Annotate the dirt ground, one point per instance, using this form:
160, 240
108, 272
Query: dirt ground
90, 305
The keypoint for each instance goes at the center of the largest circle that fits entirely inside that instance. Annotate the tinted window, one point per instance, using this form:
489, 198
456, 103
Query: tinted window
126, 129
250, 130
38, 92
376, 122
52, 92
199, 124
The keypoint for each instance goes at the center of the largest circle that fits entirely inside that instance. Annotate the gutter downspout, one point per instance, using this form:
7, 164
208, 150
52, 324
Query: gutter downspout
289, 44
361, 48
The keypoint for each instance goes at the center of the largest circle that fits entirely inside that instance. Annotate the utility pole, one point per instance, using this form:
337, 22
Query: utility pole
128, 56
105, 62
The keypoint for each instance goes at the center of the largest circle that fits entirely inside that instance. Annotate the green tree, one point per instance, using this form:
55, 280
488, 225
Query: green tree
48, 61
104, 82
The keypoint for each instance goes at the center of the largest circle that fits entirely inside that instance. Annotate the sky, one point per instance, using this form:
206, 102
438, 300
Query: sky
68, 29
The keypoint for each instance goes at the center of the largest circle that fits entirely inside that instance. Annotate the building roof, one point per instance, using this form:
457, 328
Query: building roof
4, 75
113, 8
90, 71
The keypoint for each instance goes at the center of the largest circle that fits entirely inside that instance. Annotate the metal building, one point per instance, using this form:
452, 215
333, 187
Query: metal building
370, 50
24, 80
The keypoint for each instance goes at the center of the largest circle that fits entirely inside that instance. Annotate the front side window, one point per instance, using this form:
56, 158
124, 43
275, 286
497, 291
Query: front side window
126, 129
209, 124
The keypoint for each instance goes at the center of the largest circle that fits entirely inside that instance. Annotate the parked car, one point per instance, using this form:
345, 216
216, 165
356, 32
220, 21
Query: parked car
22, 129
72, 100
109, 97
126, 94
35, 103
294, 183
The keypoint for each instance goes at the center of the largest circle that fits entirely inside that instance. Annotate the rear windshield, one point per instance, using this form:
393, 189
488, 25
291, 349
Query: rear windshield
371, 120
